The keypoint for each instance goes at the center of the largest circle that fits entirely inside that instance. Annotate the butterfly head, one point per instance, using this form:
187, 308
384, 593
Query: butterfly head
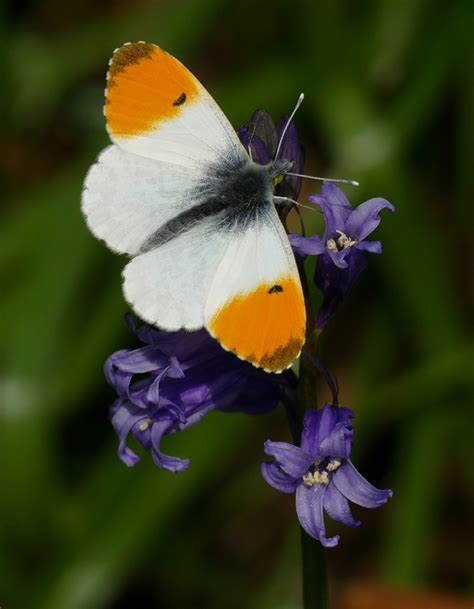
278, 169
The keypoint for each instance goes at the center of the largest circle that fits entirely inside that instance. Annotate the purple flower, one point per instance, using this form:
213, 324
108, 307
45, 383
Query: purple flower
321, 473
261, 137
172, 381
341, 249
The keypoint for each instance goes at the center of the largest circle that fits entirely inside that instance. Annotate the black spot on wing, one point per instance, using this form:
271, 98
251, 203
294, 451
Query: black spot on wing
181, 99
275, 289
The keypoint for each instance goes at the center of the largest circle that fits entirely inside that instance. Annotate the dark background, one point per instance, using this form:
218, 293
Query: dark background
389, 99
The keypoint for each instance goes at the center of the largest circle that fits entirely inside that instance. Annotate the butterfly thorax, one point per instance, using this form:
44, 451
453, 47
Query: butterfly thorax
252, 184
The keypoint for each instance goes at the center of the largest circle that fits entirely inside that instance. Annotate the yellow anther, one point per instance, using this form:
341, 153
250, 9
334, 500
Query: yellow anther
144, 425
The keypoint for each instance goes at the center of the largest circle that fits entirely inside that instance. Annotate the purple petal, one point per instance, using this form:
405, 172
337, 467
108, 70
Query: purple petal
260, 153
153, 393
335, 283
310, 433
327, 432
172, 464
357, 489
260, 394
365, 218
119, 380
260, 135
265, 130
274, 476
291, 151
338, 443
175, 371
335, 196
335, 207
258, 149
123, 422
309, 507
292, 459
337, 507
172, 411
373, 247
307, 246
339, 257
145, 359
243, 133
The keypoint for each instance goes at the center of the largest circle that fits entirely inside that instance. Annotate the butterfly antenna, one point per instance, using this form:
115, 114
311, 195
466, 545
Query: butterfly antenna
253, 127
301, 175
298, 104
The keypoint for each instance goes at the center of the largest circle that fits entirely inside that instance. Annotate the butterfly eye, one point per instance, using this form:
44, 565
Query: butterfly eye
278, 180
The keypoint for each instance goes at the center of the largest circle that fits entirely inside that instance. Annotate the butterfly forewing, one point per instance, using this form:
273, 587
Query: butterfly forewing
155, 107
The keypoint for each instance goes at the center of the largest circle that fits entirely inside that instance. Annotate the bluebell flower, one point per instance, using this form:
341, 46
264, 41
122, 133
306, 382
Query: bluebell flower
320, 472
260, 137
172, 381
341, 249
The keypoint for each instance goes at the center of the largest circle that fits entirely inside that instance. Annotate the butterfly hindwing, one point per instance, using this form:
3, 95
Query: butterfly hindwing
255, 306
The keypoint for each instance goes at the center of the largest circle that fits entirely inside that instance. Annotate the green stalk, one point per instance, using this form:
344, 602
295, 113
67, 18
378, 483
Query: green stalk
312, 552
314, 573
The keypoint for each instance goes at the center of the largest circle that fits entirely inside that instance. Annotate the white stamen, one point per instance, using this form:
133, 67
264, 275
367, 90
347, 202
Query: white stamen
321, 477
331, 245
344, 241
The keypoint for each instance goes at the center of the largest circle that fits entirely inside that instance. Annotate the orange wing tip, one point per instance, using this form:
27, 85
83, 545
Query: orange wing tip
145, 86
128, 54
273, 363
266, 327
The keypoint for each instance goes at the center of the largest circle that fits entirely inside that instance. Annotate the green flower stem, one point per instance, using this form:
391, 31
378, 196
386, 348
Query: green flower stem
312, 552
314, 573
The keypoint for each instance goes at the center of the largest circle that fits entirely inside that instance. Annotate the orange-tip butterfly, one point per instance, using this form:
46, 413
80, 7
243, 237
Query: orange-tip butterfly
179, 194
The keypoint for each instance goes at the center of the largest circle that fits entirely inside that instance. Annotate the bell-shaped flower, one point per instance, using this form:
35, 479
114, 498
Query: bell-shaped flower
320, 472
342, 246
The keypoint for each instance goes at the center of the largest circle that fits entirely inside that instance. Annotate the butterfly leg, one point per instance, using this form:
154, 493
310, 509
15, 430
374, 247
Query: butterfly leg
296, 206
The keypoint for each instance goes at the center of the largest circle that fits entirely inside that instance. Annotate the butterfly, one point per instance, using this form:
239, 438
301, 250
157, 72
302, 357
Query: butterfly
177, 191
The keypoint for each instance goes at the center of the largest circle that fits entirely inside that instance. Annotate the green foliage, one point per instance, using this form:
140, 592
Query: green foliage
389, 100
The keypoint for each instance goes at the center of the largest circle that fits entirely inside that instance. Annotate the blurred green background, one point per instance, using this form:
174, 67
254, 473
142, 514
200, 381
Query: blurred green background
389, 101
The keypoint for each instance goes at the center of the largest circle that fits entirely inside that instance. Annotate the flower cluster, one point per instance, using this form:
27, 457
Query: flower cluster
172, 381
